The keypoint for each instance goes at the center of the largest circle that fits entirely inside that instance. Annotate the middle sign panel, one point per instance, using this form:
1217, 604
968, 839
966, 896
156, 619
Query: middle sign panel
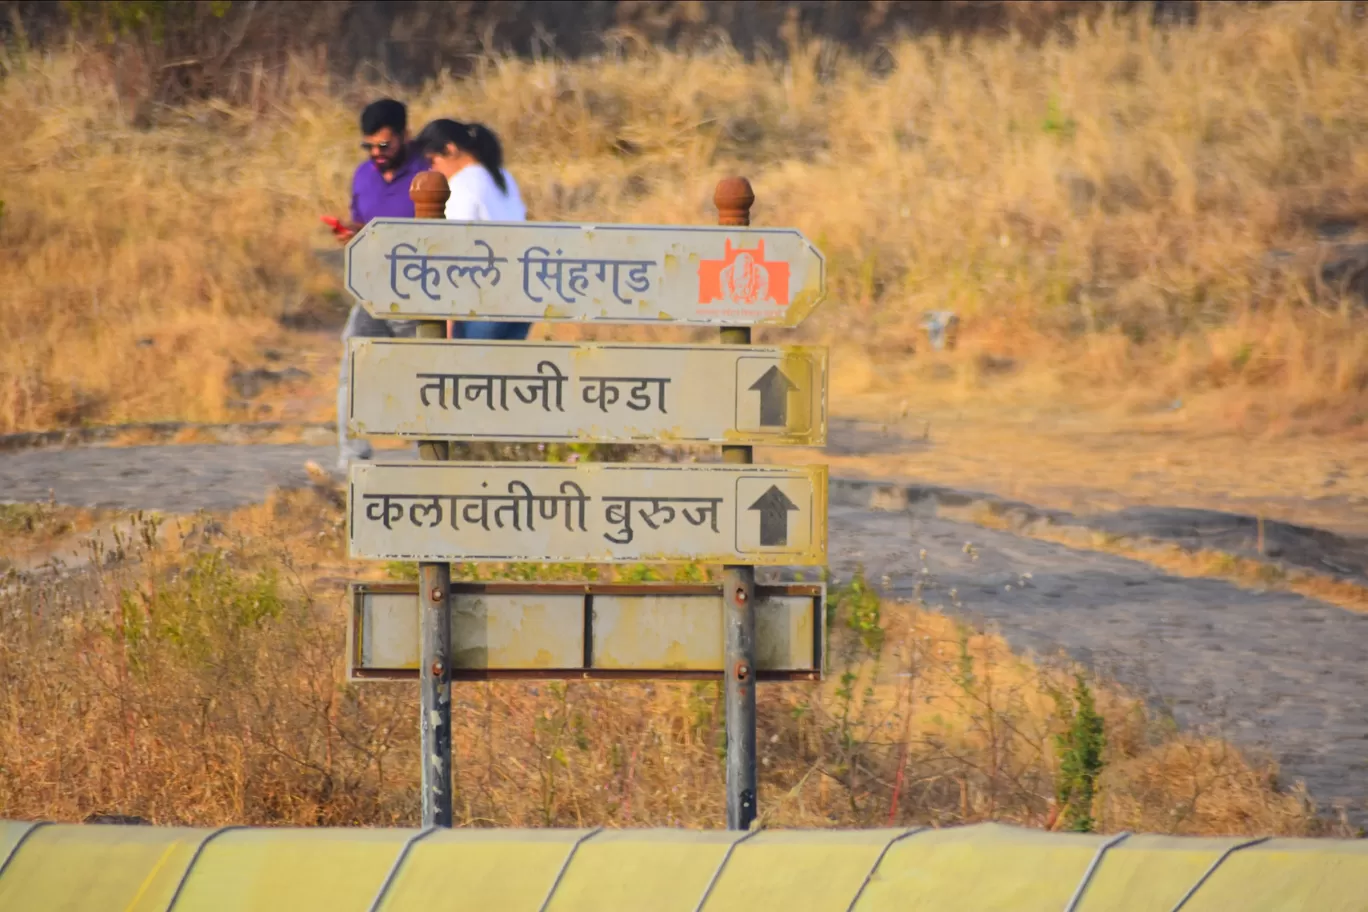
587, 392
595, 512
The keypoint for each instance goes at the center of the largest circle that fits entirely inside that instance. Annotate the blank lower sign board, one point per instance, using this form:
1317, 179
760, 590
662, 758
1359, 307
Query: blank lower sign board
585, 630
555, 272
587, 392
602, 513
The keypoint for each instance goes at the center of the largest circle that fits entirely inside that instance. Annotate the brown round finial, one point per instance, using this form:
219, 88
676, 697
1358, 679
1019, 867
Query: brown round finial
733, 199
429, 192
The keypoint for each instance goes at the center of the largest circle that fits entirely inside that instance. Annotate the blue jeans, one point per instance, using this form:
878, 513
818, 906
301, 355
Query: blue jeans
491, 332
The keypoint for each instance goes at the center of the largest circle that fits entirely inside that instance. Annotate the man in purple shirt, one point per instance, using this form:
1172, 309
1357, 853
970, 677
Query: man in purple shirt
380, 188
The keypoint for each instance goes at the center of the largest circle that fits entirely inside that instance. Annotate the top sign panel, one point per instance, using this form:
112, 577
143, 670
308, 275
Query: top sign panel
552, 272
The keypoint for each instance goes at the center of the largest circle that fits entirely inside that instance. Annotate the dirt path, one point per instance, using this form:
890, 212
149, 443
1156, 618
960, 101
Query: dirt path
171, 479
1268, 670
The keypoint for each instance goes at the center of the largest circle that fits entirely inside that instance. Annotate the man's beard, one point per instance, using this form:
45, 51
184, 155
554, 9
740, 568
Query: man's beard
391, 163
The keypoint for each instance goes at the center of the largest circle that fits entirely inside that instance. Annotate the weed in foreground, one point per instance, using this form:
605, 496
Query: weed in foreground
1079, 747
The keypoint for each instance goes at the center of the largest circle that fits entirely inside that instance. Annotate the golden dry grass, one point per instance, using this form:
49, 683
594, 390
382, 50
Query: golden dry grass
194, 674
1097, 208
32, 534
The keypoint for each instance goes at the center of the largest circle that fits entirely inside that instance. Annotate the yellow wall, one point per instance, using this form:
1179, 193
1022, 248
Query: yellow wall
55, 868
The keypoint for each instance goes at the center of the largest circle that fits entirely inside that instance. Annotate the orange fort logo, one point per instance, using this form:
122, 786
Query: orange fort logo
743, 277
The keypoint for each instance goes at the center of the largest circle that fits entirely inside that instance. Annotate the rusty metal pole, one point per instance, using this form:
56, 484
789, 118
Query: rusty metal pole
733, 199
429, 193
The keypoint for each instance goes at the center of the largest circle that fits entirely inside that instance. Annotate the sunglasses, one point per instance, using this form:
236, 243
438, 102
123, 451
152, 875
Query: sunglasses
377, 147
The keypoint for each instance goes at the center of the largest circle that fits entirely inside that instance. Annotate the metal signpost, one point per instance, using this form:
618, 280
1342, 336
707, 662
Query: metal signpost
734, 199
734, 513
430, 193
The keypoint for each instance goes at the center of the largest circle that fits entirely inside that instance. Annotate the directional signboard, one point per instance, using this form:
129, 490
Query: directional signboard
587, 392
579, 630
422, 268
471, 511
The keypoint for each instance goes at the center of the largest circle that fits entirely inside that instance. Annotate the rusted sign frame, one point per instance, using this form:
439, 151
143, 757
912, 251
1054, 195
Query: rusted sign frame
357, 592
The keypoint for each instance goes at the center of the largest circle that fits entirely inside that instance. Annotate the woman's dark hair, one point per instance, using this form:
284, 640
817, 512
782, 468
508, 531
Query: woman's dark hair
477, 140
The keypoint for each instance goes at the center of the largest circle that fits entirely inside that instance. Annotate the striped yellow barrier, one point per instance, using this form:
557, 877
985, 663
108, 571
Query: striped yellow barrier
60, 868
101, 868
480, 869
1289, 874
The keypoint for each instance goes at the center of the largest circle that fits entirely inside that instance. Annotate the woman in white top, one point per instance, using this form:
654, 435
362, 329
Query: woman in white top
470, 157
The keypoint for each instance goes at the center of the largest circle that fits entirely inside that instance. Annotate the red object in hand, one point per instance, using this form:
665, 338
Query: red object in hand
339, 229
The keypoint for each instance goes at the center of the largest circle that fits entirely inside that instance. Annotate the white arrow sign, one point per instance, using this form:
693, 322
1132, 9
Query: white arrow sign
587, 392
596, 512
529, 271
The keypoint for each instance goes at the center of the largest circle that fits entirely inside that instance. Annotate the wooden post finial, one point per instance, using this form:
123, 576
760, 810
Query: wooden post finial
733, 199
429, 192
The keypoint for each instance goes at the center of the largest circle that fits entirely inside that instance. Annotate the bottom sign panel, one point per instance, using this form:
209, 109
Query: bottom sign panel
574, 630
595, 512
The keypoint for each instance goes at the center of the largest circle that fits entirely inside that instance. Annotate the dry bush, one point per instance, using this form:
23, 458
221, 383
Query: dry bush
194, 674
1099, 207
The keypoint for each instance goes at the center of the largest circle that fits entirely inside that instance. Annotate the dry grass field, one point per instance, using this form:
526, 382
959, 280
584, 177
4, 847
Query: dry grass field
1101, 210
190, 672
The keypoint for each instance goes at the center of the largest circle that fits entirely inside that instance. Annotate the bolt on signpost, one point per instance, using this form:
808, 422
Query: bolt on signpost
736, 514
